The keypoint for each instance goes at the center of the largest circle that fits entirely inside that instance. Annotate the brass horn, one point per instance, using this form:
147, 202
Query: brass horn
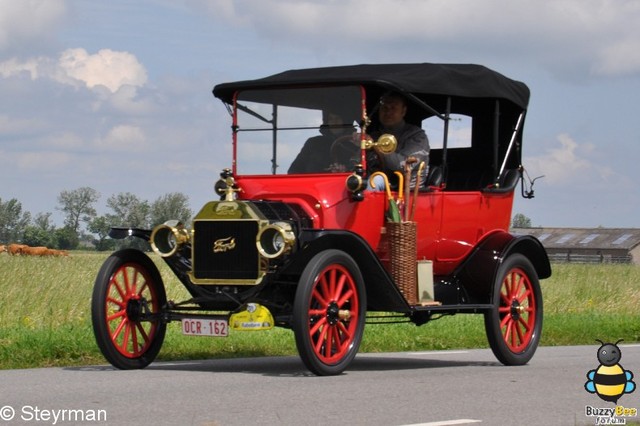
386, 143
167, 238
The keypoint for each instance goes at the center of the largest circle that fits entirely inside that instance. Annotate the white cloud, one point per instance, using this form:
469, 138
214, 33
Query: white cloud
620, 58
598, 37
124, 138
561, 164
570, 163
29, 21
108, 68
127, 101
66, 141
18, 126
32, 67
42, 162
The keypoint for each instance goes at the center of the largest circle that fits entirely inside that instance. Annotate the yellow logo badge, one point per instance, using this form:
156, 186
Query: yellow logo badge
224, 244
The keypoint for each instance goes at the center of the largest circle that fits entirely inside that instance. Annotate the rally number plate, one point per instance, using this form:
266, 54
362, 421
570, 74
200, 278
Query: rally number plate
205, 327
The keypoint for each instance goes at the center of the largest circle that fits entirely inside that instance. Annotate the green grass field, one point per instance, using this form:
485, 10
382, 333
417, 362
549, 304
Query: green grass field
45, 317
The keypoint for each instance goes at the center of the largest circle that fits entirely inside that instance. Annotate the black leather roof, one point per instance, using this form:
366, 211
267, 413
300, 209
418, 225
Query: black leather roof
459, 80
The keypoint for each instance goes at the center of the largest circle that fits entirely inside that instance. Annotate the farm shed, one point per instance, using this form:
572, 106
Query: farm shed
588, 245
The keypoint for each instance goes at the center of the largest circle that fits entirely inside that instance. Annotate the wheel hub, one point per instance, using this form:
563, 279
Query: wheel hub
333, 313
134, 309
516, 309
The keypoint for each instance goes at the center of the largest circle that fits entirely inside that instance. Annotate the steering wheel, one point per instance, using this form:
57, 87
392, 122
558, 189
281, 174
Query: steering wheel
344, 153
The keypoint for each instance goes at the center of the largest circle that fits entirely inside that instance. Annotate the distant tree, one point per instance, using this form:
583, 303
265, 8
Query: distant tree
520, 221
43, 221
78, 206
13, 221
35, 236
66, 238
170, 206
129, 210
100, 226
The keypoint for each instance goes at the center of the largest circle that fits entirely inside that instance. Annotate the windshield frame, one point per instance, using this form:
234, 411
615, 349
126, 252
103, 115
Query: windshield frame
272, 123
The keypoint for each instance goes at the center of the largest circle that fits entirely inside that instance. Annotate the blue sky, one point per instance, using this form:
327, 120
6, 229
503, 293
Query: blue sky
116, 95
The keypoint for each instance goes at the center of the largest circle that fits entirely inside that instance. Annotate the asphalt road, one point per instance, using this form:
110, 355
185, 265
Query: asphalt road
412, 388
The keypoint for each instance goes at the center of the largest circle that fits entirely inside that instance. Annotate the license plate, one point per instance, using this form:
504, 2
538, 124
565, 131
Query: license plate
205, 327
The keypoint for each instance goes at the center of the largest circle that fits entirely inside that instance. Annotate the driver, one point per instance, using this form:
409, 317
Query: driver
315, 155
412, 142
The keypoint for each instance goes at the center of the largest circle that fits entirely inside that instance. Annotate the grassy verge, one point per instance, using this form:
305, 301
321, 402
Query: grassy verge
45, 316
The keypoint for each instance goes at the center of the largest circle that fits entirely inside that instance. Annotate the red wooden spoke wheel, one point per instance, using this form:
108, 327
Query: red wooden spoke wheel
329, 312
514, 324
128, 296
517, 310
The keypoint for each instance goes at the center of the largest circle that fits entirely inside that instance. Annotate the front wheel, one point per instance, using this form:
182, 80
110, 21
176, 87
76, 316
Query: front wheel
127, 298
329, 312
514, 323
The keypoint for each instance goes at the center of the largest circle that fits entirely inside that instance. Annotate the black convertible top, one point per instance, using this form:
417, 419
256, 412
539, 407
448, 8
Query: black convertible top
459, 80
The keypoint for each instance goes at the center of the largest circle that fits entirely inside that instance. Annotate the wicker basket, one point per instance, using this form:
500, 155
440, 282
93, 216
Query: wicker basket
404, 255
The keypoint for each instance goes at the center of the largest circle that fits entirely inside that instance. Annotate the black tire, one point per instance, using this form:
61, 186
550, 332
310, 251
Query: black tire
127, 285
514, 324
329, 312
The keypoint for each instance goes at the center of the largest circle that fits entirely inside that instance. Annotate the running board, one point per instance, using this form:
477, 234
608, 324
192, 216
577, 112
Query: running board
463, 308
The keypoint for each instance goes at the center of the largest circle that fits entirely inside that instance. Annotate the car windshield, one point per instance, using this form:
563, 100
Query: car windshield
293, 130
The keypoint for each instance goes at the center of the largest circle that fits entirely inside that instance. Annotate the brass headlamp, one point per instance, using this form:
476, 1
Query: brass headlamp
167, 238
274, 240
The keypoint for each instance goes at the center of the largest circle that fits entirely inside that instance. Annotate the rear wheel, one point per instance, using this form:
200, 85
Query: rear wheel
127, 297
329, 312
514, 324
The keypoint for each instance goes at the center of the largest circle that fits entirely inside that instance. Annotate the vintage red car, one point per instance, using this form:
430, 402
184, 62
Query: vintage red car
303, 243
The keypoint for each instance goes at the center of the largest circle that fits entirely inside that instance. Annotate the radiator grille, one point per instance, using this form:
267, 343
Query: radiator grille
240, 262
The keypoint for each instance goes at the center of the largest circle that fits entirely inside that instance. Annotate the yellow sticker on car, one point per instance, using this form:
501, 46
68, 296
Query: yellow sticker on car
254, 317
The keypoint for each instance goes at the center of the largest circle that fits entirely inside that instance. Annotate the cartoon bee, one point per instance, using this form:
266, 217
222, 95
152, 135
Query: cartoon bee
609, 381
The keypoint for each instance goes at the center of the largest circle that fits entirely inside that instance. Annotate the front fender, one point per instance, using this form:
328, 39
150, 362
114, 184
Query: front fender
382, 293
119, 233
477, 274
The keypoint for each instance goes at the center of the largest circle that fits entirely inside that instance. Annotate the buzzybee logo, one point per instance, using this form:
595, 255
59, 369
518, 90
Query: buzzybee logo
609, 381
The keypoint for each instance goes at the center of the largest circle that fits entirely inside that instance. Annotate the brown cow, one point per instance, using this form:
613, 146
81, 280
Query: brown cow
3, 248
14, 249
35, 251
26, 250
54, 252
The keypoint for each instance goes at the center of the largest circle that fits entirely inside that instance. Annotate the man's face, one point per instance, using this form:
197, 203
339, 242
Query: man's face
392, 112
